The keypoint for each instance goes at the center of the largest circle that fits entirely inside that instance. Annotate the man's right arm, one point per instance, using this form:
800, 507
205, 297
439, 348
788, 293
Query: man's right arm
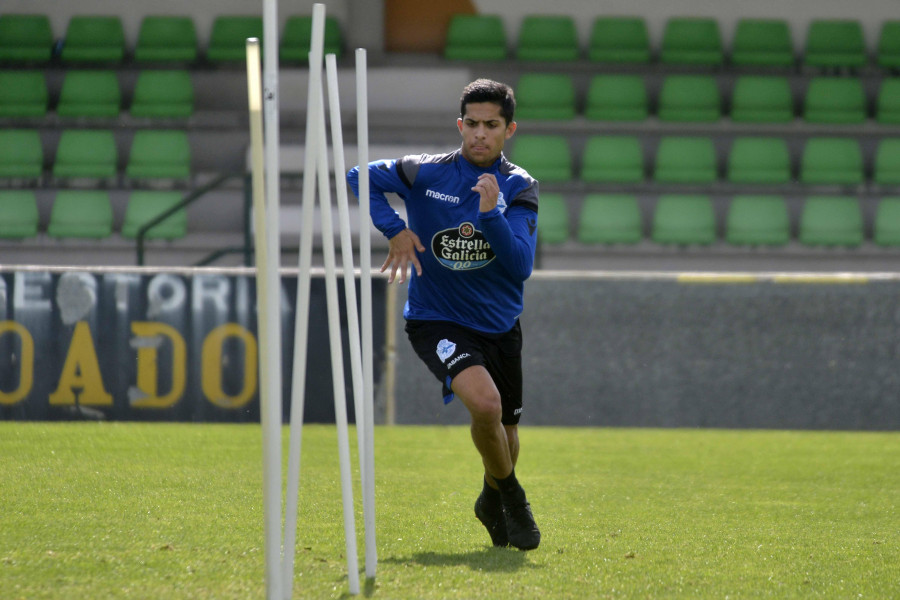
383, 178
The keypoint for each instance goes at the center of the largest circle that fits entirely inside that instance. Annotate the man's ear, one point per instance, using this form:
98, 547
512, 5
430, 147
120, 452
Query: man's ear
459, 124
510, 129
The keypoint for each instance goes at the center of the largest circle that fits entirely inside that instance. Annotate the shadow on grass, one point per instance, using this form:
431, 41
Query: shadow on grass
502, 560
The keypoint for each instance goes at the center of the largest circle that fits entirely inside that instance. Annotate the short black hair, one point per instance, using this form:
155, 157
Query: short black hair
488, 90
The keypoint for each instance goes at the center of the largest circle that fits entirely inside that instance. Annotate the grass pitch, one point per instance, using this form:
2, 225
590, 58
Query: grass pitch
175, 511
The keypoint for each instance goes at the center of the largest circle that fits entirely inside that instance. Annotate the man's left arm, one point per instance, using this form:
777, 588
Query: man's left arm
513, 235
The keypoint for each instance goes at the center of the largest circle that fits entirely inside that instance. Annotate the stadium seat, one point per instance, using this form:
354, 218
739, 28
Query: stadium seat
547, 158
297, 34
145, 205
887, 109
758, 221
685, 160
18, 214
834, 43
21, 154
612, 159
23, 94
547, 38
762, 99
81, 214
684, 219
887, 162
834, 100
829, 161
690, 98
547, 96
610, 219
166, 39
616, 98
159, 154
831, 221
25, 39
761, 160
619, 40
888, 53
86, 153
90, 94
887, 222
762, 43
553, 219
228, 40
475, 37
163, 94
94, 39
692, 41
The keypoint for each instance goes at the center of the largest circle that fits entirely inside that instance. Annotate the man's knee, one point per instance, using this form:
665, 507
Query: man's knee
485, 409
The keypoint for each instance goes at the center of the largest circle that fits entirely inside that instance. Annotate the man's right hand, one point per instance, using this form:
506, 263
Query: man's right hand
402, 249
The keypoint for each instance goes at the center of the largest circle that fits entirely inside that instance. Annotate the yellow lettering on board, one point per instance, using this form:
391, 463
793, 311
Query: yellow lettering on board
148, 365
81, 370
26, 362
212, 366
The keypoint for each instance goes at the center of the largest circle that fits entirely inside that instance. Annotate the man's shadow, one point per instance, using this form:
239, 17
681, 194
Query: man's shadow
500, 560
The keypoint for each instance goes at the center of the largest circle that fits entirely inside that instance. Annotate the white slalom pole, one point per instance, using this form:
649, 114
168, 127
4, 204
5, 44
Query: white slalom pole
270, 402
337, 358
314, 113
365, 291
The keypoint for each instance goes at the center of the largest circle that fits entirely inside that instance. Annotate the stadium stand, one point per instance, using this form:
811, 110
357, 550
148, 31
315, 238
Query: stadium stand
21, 154
546, 96
613, 159
887, 222
547, 158
685, 159
762, 99
228, 40
610, 219
759, 160
166, 39
831, 221
619, 40
553, 219
295, 39
81, 214
690, 98
762, 43
90, 94
146, 205
23, 94
86, 154
163, 94
835, 100
617, 97
684, 219
25, 39
94, 39
758, 221
547, 38
692, 41
834, 43
18, 214
475, 37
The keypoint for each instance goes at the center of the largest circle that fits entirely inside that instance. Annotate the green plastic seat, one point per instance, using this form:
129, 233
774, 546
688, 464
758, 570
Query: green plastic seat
81, 214
761, 160
18, 214
887, 222
690, 98
164, 38
297, 35
888, 52
547, 38
610, 219
685, 159
553, 219
831, 221
146, 205
547, 158
684, 219
887, 109
834, 100
475, 37
835, 43
23, 94
692, 41
887, 162
90, 94
762, 43
829, 161
758, 221
619, 40
21, 154
94, 39
616, 98
25, 38
159, 154
228, 40
163, 94
545, 96
613, 159
762, 99
86, 153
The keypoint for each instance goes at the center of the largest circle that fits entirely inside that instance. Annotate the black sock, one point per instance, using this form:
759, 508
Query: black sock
491, 495
510, 485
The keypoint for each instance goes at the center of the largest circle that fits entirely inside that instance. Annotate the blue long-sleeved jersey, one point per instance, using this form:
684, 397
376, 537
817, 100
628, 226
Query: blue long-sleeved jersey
475, 264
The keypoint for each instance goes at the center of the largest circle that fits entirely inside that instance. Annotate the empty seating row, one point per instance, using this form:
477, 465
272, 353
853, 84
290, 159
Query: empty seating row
694, 160
92, 153
690, 219
28, 38
96, 93
685, 41
88, 214
698, 98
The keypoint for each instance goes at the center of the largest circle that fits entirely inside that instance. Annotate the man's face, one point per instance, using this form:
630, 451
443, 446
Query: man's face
484, 131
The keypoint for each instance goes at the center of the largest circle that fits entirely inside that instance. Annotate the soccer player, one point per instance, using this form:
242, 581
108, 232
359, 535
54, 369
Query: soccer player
477, 215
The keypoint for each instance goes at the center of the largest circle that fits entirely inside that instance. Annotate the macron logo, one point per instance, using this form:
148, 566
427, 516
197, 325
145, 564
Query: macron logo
442, 197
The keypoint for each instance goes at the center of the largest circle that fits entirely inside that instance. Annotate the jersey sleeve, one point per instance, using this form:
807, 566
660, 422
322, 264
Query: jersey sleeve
513, 235
385, 176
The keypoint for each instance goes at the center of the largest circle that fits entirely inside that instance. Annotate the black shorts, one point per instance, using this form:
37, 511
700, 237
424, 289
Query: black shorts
447, 348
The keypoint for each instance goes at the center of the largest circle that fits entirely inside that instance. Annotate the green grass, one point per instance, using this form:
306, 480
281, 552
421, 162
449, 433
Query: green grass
174, 511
